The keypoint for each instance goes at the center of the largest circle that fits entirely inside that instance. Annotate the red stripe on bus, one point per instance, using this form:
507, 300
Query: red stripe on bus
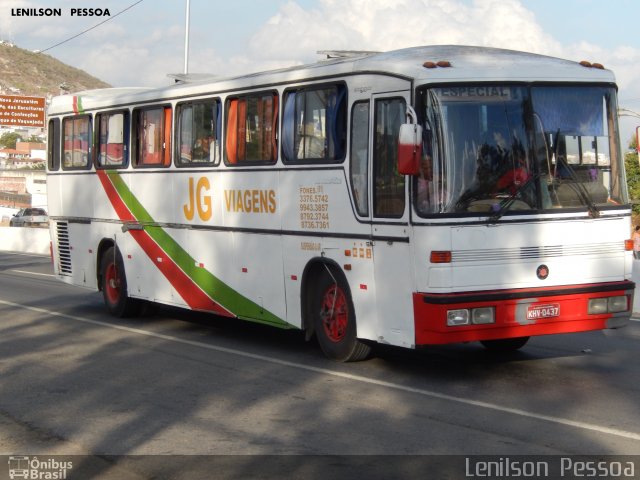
184, 285
120, 207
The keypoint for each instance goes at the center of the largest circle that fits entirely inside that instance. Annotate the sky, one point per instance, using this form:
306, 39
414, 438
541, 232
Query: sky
140, 46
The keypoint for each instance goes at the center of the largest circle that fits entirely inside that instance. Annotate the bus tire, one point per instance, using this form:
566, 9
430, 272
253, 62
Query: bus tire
334, 319
505, 344
113, 283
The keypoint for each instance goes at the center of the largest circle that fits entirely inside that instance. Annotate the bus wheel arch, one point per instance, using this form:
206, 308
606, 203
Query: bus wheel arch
113, 283
328, 311
104, 245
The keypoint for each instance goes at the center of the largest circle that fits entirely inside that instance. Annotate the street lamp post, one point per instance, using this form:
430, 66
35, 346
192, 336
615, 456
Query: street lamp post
186, 40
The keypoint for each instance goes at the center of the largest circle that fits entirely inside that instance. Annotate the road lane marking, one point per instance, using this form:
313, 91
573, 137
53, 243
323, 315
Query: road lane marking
33, 273
348, 376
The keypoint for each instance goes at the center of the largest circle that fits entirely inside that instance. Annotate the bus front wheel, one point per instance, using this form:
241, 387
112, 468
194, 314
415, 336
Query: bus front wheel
114, 285
334, 319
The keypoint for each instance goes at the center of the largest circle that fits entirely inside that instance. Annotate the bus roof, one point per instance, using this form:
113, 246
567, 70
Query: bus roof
466, 64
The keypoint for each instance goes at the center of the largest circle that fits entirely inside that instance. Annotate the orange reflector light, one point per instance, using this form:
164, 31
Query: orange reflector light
440, 256
587, 64
440, 63
347, 253
628, 245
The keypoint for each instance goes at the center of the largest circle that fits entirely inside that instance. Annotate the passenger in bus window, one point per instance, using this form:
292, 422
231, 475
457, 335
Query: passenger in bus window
516, 172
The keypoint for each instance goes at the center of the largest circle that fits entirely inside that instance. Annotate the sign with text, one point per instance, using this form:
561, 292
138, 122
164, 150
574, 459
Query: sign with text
19, 111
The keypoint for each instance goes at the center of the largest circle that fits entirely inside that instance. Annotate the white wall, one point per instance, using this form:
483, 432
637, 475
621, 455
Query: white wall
24, 239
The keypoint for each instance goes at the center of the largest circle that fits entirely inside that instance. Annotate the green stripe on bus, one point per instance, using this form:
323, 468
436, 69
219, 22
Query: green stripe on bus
220, 292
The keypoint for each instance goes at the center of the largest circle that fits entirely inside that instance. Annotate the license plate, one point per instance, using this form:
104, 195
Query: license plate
543, 311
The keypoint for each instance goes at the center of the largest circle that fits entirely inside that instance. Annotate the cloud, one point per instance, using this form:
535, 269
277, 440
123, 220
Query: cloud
143, 55
294, 34
388, 25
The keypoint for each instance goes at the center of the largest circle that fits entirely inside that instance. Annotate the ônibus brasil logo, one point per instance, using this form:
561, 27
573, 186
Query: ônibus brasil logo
37, 469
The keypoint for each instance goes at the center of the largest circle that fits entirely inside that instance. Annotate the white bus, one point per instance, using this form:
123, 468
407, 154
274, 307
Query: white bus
286, 198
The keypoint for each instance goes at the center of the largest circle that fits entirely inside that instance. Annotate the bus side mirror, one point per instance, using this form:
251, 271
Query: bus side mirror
409, 149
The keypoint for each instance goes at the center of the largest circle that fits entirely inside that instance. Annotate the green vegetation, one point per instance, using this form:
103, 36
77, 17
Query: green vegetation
9, 139
38, 74
632, 167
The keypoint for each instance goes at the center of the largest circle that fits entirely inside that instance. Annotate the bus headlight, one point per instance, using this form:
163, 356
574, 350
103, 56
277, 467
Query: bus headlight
457, 317
598, 306
473, 316
618, 304
483, 315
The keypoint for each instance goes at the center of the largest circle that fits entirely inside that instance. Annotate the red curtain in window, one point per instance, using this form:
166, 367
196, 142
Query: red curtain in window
232, 132
167, 137
242, 129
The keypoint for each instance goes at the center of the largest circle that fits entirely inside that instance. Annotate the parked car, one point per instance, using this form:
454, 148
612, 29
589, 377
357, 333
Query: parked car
30, 217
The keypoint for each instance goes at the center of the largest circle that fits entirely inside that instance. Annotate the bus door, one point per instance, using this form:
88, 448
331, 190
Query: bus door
390, 223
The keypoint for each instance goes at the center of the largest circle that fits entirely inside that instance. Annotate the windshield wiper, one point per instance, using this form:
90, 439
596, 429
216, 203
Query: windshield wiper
505, 204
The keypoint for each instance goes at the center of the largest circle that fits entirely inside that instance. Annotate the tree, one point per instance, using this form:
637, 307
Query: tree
35, 139
633, 143
9, 139
632, 167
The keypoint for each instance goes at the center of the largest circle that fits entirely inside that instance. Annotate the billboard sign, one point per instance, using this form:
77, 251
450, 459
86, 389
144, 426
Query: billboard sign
19, 111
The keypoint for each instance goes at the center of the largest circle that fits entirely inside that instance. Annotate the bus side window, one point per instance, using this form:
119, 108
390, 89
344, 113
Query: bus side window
53, 144
315, 124
198, 133
360, 156
153, 137
252, 125
112, 130
77, 144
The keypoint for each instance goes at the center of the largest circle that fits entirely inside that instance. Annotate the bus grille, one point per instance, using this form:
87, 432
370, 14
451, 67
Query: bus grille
537, 253
64, 248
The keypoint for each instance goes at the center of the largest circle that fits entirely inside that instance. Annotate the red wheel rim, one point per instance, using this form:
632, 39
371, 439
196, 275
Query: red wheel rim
112, 283
335, 313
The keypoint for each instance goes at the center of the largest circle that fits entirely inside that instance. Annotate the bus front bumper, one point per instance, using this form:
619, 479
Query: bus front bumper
490, 315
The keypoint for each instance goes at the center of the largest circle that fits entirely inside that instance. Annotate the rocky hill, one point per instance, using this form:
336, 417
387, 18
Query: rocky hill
36, 74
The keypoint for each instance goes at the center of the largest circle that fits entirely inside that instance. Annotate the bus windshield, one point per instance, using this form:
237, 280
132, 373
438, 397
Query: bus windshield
494, 149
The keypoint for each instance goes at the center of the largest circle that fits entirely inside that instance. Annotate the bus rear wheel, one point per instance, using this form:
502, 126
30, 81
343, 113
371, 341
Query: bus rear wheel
505, 344
334, 319
113, 283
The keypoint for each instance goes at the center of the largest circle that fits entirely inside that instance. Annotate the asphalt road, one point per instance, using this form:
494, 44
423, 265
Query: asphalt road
75, 381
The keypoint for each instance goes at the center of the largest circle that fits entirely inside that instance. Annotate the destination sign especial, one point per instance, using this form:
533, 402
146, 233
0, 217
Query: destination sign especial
478, 92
